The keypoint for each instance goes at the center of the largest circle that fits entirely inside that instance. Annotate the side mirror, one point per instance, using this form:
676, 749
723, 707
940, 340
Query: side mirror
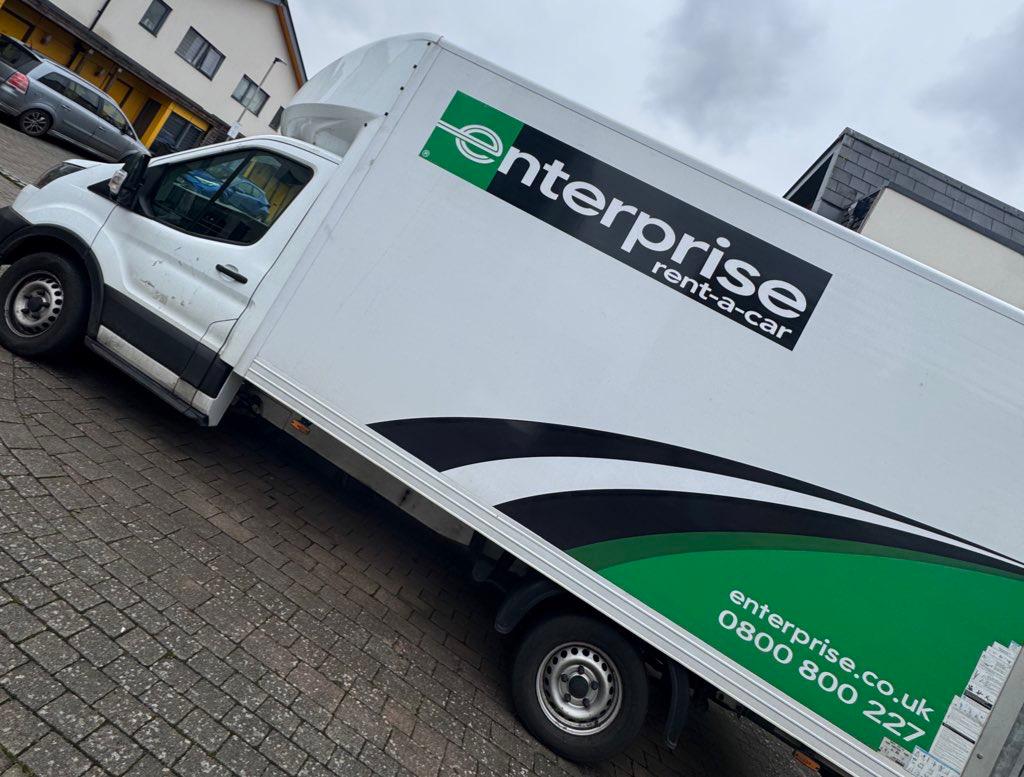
125, 183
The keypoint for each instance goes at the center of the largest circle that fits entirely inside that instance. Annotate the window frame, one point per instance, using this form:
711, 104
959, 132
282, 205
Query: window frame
153, 186
250, 87
159, 25
203, 52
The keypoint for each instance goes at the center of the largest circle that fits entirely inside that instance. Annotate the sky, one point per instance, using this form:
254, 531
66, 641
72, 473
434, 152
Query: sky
759, 88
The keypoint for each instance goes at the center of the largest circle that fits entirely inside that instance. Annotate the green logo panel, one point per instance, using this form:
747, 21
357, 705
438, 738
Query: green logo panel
471, 139
876, 640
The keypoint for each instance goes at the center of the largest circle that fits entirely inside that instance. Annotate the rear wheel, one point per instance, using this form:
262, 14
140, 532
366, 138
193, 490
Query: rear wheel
35, 122
580, 687
45, 305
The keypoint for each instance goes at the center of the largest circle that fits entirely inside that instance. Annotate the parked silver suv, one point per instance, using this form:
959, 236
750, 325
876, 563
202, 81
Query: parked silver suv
47, 98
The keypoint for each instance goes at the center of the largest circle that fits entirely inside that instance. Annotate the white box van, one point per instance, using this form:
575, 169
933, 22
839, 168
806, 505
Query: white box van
720, 436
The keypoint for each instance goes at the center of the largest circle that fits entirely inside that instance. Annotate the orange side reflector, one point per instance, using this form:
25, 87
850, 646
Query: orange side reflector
301, 425
806, 760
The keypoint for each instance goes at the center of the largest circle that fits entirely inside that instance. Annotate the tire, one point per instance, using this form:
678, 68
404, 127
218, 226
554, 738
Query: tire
35, 122
45, 306
599, 724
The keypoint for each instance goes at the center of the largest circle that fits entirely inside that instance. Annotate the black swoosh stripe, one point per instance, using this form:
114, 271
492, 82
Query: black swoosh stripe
572, 519
449, 442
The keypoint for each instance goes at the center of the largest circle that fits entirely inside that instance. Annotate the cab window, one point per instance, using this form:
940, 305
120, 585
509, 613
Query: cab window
234, 197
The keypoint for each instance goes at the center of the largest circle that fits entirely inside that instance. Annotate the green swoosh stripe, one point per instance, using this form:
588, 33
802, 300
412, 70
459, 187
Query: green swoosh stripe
603, 555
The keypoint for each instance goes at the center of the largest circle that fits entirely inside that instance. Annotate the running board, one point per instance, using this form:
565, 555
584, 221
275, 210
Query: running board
165, 394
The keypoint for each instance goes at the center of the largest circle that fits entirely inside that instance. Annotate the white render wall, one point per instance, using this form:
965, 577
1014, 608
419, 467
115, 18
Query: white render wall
247, 32
931, 238
82, 10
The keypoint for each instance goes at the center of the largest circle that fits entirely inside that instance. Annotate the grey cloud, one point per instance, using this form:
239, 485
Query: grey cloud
727, 64
986, 97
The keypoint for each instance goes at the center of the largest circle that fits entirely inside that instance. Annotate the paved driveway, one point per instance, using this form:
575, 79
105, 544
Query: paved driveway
216, 601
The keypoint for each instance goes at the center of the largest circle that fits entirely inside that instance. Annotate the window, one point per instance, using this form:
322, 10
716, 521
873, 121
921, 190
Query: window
112, 114
197, 51
177, 134
275, 123
155, 16
57, 83
17, 56
233, 197
84, 96
249, 94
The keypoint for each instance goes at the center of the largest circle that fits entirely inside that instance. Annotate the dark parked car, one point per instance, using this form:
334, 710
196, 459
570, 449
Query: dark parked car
47, 98
241, 194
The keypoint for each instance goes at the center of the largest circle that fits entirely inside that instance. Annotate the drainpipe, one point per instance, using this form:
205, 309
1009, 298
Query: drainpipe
99, 13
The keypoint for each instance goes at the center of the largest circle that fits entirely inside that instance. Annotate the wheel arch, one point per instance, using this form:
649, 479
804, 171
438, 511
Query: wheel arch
61, 241
42, 108
536, 598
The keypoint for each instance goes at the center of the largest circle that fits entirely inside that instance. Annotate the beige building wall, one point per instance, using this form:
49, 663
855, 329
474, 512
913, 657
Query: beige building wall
901, 223
247, 32
83, 11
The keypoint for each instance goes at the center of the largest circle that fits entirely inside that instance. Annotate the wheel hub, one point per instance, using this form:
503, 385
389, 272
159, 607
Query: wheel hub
34, 304
578, 689
578, 686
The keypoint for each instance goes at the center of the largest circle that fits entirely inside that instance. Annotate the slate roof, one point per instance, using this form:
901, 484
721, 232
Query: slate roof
858, 167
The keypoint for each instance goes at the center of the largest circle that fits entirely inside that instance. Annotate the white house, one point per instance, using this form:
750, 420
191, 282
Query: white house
182, 70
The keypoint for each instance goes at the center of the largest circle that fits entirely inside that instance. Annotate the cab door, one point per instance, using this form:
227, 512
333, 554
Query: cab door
181, 267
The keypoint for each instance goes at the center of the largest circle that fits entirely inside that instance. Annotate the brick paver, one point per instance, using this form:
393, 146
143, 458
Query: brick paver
24, 159
217, 601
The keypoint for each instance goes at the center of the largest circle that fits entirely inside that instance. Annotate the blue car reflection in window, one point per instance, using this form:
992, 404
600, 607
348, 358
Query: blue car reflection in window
241, 194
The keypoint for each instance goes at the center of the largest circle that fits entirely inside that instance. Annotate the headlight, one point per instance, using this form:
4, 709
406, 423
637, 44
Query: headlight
51, 175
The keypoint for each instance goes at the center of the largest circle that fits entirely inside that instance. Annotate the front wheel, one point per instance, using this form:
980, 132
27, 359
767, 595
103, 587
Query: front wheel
580, 687
45, 305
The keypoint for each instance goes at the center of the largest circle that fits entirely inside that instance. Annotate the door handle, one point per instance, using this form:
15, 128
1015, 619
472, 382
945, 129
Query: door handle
232, 272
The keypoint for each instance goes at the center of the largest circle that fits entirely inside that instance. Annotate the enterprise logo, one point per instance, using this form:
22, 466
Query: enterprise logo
736, 274
475, 142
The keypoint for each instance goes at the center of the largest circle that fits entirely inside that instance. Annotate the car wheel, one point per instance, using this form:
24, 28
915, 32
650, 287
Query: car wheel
580, 687
45, 305
35, 122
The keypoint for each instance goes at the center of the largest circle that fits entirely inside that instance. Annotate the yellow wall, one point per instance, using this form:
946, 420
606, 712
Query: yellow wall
21, 22
156, 125
128, 90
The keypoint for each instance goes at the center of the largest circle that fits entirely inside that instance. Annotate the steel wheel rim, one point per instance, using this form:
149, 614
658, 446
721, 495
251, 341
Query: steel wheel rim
578, 689
34, 122
34, 304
